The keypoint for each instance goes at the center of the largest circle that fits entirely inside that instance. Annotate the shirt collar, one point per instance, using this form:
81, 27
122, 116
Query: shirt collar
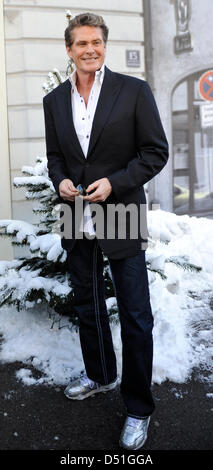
99, 75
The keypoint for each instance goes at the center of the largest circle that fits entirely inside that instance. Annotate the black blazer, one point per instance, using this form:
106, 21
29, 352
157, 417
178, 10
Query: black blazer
127, 145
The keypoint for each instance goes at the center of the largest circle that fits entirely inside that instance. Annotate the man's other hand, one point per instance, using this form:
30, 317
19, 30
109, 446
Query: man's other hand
102, 189
67, 190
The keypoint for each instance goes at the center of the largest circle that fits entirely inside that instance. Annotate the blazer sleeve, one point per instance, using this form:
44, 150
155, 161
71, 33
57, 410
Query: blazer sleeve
151, 145
55, 160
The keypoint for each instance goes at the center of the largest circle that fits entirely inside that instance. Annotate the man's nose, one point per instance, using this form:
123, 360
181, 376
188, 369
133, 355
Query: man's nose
90, 49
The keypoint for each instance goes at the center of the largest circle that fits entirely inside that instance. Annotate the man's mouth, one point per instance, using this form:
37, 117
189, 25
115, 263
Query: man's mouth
90, 58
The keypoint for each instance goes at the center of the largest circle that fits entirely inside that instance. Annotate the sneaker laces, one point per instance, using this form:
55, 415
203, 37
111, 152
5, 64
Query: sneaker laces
86, 381
133, 421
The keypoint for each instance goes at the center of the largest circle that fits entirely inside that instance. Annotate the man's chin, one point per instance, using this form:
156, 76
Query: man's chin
92, 67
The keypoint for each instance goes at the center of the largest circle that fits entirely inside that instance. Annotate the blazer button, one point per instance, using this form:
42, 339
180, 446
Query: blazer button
87, 165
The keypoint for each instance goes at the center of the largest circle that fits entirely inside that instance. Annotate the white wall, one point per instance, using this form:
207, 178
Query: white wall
5, 196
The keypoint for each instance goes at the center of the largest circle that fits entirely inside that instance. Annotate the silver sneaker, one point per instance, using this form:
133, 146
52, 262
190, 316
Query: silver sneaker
84, 387
134, 433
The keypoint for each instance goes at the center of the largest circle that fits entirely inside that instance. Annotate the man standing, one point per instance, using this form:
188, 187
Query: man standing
103, 131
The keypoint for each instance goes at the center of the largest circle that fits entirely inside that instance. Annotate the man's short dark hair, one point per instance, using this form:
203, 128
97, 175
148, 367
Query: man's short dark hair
85, 19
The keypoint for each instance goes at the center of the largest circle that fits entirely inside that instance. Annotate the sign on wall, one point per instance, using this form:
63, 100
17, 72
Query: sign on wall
133, 58
206, 115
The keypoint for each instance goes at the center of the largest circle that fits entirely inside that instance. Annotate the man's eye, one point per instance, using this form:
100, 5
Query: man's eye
97, 43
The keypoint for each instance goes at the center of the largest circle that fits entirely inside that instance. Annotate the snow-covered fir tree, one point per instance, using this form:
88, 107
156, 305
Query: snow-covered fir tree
43, 276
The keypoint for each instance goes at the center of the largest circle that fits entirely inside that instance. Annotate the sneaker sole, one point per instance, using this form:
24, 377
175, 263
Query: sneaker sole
89, 394
133, 448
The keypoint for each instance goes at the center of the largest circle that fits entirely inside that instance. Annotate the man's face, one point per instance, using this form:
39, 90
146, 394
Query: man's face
88, 49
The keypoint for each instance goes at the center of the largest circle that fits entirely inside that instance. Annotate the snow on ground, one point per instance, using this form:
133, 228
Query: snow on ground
182, 307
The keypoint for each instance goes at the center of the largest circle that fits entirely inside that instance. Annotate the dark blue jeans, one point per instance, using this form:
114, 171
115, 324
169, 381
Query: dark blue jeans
130, 281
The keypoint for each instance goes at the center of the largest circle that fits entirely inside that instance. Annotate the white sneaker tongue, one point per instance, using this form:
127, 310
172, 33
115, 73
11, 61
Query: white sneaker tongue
86, 381
133, 421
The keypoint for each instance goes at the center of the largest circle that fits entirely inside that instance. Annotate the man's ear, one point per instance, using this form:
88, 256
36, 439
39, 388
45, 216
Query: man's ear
69, 51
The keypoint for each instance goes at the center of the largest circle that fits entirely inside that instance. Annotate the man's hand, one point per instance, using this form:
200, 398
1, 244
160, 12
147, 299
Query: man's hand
67, 190
103, 189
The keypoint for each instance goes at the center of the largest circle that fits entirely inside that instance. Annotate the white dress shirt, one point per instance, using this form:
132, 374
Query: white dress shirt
83, 119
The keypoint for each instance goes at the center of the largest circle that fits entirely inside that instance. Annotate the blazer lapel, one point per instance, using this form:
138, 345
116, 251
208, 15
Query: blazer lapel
109, 92
65, 107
